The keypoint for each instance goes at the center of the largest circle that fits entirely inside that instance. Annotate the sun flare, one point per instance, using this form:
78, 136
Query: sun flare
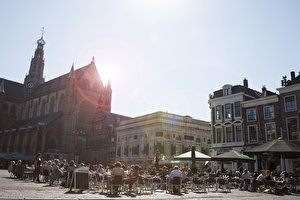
108, 72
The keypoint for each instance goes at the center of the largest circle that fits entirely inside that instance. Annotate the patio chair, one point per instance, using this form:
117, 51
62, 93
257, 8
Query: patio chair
174, 185
198, 184
211, 183
116, 185
145, 185
223, 185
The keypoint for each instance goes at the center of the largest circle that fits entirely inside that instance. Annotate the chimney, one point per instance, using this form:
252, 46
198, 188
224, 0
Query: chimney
264, 91
245, 83
292, 75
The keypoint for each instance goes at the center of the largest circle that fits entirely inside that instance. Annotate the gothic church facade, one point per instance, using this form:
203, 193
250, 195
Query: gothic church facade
53, 117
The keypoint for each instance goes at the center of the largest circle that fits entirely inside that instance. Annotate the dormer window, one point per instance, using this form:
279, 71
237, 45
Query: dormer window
227, 90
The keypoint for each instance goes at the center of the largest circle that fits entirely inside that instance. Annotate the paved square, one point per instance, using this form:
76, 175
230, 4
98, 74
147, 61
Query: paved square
26, 189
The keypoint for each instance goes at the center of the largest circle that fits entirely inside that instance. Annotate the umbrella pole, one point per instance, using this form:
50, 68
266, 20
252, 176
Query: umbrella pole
282, 167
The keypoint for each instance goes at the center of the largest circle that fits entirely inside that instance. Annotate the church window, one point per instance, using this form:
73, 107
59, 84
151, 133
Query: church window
52, 101
34, 113
61, 102
43, 108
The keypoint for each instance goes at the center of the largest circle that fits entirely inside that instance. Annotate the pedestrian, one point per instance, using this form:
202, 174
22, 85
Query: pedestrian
37, 168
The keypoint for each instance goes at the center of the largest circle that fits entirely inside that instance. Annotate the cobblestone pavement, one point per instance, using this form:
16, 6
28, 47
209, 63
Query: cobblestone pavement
26, 189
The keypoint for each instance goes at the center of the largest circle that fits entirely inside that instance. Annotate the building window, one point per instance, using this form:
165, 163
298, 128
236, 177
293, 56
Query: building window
159, 134
228, 130
226, 92
237, 109
218, 112
292, 128
238, 133
290, 103
228, 111
251, 114
252, 133
218, 134
269, 112
188, 137
52, 104
270, 131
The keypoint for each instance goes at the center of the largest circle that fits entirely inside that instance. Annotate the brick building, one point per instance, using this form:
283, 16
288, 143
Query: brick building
52, 117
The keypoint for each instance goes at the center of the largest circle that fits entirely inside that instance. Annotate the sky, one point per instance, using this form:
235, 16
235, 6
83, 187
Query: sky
160, 55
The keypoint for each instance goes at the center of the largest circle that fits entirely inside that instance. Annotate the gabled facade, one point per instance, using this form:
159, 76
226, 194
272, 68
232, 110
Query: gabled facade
51, 117
289, 95
227, 118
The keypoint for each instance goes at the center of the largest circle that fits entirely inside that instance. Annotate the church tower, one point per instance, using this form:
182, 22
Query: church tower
36, 71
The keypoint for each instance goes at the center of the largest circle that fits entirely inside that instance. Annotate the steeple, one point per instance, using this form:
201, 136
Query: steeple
36, 70
108, 85
71, 73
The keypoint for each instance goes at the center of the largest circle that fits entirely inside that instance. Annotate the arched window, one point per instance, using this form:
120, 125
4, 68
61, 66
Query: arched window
43, 107
34, 112
27, 111
61, 102
52, 103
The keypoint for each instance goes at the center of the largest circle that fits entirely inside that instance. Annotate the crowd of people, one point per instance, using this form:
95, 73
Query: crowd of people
60, 171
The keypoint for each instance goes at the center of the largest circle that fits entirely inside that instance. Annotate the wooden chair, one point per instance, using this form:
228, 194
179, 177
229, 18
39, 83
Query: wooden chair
198, 184
174, 185
116, 185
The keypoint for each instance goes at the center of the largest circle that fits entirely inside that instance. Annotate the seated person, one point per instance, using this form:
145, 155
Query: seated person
117, 172
281, 186
175, 174
133, 175
259, 181
245, 180
12, 169
56, 172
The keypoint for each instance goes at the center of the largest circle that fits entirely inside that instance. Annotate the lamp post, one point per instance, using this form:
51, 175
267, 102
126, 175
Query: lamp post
157, 154
193, 156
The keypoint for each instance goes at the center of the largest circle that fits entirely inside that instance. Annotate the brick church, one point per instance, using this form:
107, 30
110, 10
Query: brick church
60, 117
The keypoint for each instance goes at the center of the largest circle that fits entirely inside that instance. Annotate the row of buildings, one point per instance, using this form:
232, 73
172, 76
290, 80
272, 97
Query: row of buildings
70, 117
243, 118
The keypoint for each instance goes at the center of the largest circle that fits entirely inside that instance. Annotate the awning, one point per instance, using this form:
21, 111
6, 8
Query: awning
232, 156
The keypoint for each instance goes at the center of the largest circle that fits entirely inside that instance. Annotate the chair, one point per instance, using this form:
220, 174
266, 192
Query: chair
174, 185
116, 185
211, 182
95, 182
223, 184
145, 184
198, 184
158, 183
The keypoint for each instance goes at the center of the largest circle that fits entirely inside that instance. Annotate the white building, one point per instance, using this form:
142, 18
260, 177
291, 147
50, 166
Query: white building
139, 139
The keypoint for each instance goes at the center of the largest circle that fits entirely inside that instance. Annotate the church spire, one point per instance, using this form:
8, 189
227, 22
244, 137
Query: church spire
35, 76
71, 73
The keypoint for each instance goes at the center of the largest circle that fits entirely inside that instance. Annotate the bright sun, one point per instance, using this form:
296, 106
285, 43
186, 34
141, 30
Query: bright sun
108, 72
